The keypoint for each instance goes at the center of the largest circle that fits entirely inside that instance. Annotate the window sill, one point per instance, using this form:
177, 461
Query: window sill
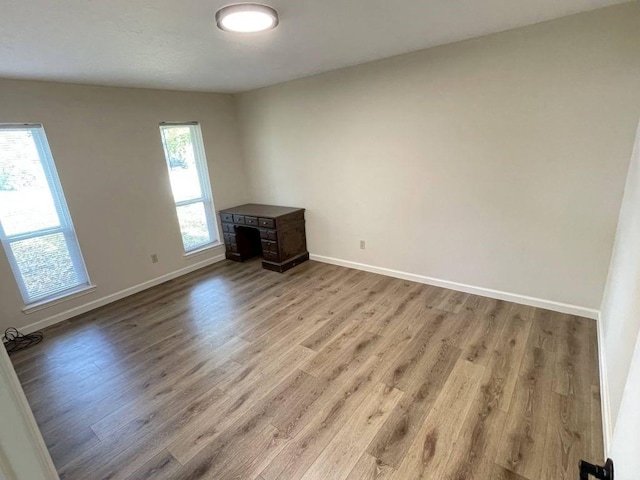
203, 249
37, 306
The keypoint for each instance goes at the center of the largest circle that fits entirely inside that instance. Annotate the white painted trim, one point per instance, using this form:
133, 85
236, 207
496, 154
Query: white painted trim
461, 287
36, 307
205, 249
60, 317
605, 398
22, 448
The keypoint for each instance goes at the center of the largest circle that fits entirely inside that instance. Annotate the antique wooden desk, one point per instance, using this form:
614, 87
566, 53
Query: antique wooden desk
275, 233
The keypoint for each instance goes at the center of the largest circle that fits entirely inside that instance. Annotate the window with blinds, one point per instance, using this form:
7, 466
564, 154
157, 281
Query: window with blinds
35, 226
187, 164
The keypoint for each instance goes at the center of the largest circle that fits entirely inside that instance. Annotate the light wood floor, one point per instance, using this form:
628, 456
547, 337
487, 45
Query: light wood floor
323, 372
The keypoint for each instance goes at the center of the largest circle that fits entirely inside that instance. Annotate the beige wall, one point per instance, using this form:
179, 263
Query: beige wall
106, 146
620, 324
497, 162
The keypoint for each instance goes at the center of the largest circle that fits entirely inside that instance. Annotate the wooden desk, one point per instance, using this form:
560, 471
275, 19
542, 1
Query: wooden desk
275, 233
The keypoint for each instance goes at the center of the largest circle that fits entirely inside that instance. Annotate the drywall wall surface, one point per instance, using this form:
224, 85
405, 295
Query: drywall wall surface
620, 317
497, 162
108, 153
625, 443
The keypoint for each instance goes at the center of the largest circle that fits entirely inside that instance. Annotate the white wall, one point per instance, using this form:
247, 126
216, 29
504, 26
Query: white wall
620, 324
497, 162
625, 444
106, 146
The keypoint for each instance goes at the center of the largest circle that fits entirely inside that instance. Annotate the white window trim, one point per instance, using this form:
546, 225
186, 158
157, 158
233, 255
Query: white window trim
205, 186
204, 249
65, 227
65, 296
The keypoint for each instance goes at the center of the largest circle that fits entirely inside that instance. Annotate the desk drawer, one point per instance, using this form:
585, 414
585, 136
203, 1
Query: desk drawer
271, 256
228, 228
238, 219
269, 246
268, 234
230, 238
253, 221
226, 217
267, 223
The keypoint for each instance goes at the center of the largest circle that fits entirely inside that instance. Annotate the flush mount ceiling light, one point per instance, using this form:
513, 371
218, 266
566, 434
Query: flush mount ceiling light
246, 18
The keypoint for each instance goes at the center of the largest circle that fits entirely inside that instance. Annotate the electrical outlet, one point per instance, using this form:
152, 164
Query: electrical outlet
154, 258
363, 245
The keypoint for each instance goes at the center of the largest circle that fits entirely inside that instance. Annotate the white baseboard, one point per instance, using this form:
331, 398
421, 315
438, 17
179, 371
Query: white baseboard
605, 402
461, 287
60, 317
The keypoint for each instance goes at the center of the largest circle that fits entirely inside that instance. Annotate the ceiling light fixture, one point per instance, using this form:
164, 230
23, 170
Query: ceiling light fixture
246, 18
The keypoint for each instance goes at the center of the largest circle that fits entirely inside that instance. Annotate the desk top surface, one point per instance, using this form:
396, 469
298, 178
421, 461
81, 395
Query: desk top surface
256, 210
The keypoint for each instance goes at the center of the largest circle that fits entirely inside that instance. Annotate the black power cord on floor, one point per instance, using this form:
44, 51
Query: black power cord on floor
14, 340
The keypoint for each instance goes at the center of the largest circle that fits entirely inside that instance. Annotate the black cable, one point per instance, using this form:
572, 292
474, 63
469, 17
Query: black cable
14, 340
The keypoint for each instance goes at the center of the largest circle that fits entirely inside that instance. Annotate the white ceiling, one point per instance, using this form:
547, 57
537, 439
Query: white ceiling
174, 44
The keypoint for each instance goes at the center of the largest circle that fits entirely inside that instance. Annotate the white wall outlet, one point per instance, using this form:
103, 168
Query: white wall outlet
363, 245
154, 258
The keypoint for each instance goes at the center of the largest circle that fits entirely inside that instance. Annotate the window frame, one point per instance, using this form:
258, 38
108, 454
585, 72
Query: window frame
202, 169
65, 228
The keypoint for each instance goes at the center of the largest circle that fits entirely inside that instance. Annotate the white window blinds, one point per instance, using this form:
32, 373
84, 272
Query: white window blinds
187, 164
35, 226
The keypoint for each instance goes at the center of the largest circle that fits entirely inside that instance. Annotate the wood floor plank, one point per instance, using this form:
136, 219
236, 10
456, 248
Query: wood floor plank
193, 384
341, 315
190, 442
37, 381
355, 343
240, 452
500, 473
144, 392
452, 301
163, 465
370, 468
504, 363
270, 366
408, 367
429, 452
397, 434
484, 336
236, 372
476, 445
64, 450
564, 444
306, 446
545, 329
128, 449
522, 445
399, 306
343, 452
100, 385
573, 368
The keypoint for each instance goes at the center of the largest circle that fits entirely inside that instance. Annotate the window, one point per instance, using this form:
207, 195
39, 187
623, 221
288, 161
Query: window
184, 152
35, 226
